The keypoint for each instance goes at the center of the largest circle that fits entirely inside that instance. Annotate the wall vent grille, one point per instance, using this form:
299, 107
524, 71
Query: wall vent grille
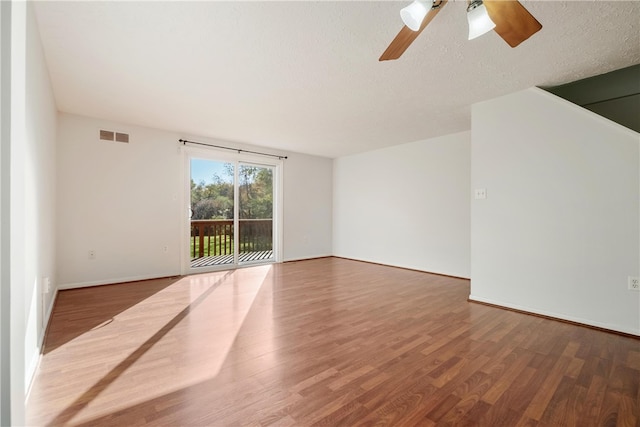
106, 135
122, 137
109, 135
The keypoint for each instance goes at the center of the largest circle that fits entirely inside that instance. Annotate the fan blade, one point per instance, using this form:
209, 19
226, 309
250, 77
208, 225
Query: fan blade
406, 36
513, 22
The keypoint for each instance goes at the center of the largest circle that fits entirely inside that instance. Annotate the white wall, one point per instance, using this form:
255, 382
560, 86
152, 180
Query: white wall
39, 194
559, 231
120, 200
406, 205
31, 194
308, 207
125, 202
17, 210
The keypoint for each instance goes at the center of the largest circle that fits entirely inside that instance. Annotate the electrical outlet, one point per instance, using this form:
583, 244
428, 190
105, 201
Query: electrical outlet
91, 254
481, 193
46, 285
165, 249
634, 283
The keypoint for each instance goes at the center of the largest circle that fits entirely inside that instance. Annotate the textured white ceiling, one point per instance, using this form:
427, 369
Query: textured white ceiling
305, 76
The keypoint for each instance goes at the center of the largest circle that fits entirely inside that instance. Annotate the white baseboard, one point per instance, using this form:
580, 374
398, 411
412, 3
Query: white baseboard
561, 316
48, 314
113, 281
32, 369
305, 258
30, 373
406, 267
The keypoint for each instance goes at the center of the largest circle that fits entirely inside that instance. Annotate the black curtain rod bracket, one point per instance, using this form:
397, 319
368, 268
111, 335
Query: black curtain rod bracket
238, 150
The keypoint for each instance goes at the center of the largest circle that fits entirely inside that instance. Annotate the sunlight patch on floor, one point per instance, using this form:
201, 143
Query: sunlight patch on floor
186, 331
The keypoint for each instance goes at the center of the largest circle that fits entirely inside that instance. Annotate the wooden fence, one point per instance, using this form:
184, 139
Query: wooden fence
213, 237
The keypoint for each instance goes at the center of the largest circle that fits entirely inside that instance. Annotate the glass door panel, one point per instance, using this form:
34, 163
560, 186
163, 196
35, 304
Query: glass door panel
255, 213
212, 213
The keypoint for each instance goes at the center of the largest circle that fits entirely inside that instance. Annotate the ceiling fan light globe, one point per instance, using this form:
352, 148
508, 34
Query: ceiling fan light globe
479, 21
414, 14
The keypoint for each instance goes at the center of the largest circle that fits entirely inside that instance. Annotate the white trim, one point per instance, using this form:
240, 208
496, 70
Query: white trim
48, 314
310, 257
587, 322
114, 281
278, 225
236, 214
31, 375
404, 266
5, 212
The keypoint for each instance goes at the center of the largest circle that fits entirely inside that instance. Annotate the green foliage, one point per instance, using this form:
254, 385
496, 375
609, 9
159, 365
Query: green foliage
256, 192
215, 200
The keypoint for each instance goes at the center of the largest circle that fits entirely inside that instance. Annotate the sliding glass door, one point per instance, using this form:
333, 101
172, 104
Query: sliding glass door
211, 209
231, 213
255, 208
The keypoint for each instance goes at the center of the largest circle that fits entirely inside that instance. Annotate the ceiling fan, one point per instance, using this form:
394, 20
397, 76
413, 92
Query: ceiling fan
508, 18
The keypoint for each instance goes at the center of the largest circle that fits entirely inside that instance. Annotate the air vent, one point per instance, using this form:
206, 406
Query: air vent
106, 135
122, 137
109, 135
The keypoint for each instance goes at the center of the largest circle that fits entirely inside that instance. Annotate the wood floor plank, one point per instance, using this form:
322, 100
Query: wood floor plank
330, 342
593, 400
545, 393
470, 393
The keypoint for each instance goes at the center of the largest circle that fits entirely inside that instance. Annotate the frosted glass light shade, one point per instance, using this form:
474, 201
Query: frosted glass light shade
414, 14
479, 21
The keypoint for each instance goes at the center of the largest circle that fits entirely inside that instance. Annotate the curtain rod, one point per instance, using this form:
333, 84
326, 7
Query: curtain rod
184, 142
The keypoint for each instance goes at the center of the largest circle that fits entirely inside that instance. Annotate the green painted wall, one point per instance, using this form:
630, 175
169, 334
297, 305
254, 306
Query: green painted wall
614, 95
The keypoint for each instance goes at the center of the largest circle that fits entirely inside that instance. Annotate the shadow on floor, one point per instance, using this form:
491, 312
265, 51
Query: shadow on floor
65, 326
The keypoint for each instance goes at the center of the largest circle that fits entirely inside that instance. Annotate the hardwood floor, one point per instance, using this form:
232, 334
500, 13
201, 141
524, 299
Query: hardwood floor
327, 342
